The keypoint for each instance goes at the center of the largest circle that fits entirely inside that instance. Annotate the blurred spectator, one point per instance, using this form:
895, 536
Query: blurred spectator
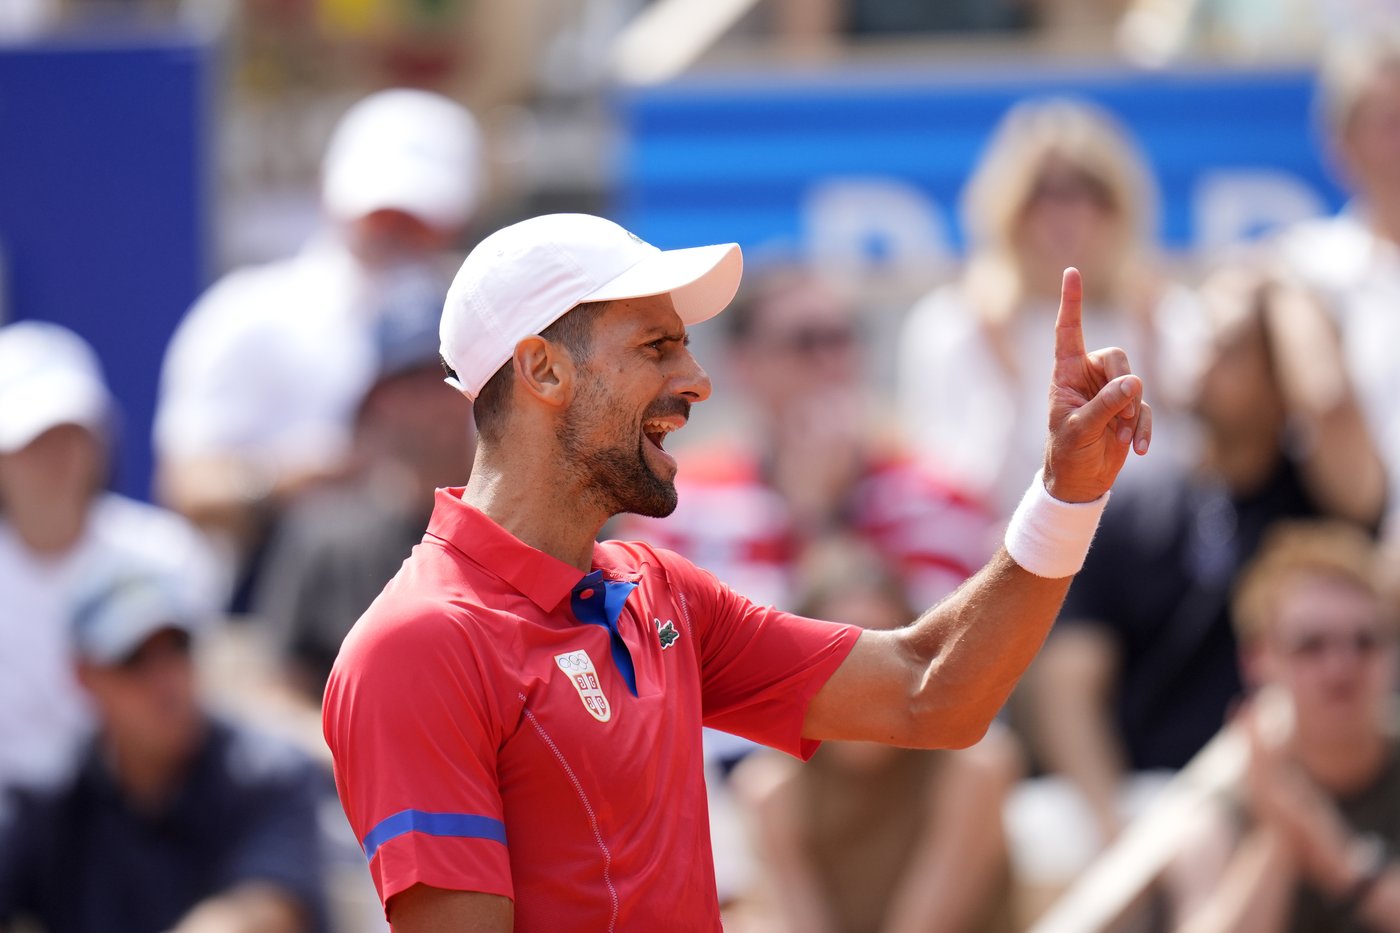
867, 838
1314, 850
1060, 185
57, 525
336, 548
816, 458
175, 821
262, 378
1353, 259
1142, 666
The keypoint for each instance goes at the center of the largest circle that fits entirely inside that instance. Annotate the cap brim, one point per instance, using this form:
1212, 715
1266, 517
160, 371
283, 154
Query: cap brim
48, 402
701, 280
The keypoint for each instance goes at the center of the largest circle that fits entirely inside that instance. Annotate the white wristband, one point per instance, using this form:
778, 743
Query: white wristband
1048, 537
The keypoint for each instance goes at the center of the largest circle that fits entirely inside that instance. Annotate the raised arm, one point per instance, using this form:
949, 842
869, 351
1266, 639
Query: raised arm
939, 682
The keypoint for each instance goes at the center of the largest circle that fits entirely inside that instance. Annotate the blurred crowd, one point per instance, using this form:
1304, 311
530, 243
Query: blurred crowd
161, 665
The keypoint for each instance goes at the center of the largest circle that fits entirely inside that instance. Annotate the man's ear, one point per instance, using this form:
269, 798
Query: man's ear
545, 370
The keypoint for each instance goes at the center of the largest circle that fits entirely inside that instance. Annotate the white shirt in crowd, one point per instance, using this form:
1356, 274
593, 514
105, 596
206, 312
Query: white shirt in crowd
43, 715
270, 364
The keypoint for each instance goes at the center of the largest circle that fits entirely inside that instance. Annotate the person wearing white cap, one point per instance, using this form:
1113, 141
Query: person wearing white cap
262, 378
56, 524
515, 722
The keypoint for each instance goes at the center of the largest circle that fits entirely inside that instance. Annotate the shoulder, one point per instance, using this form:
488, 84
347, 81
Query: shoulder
946, 302
943, 316
1328, 252
241, 300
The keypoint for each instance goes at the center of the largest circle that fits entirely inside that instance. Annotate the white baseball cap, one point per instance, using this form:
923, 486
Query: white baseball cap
523, 278
408, 150
48, 376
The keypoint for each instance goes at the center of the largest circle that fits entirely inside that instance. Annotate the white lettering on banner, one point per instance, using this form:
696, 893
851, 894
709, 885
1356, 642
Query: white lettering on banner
873, 223
865, 224
1236, 205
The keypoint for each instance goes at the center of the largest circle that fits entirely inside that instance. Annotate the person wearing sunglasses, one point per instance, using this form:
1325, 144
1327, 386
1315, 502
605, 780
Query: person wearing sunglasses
1315, 843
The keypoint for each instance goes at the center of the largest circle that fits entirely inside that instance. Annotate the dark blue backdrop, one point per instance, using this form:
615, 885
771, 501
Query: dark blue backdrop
104, 203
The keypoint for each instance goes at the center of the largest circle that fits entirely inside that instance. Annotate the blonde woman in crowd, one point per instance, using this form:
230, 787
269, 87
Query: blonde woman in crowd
1060, 185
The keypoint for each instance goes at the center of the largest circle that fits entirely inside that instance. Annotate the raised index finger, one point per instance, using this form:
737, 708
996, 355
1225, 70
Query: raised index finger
1069, 328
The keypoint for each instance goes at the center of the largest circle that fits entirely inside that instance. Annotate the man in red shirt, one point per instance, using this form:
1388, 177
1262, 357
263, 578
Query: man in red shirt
516, 720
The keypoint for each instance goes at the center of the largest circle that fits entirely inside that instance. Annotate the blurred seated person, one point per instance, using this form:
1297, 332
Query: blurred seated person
1059, 185
816, 455
1314, 848
175, 821
337, 546
1353, 258
867, 838
262, 377
1141, 668
57, 523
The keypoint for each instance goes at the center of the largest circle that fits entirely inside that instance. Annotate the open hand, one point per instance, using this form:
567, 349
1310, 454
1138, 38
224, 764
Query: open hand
1096, 408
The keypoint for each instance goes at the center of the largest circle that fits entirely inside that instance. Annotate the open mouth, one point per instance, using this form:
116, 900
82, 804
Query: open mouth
656, 431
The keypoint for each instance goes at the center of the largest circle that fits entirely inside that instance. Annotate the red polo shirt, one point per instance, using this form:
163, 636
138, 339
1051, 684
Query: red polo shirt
499, 724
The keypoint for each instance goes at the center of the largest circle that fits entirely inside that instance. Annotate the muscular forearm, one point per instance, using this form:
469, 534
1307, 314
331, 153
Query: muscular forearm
974, 646
938, 682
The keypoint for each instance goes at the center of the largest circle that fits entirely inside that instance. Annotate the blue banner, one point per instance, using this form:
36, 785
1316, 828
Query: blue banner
871, 162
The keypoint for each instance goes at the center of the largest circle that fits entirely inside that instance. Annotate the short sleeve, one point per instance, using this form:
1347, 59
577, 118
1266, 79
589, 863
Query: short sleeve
413, 727
760, 667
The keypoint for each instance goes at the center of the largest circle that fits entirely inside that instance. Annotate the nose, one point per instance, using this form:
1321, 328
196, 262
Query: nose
694, 381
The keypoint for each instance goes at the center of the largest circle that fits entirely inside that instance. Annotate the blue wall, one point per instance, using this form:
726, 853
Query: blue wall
104, 203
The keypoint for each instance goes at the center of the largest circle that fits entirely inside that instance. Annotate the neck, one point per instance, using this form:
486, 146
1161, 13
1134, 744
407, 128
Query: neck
536, 504
48, 528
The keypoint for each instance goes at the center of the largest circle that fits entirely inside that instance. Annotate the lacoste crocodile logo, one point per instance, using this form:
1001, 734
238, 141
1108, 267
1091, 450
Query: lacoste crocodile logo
667, 633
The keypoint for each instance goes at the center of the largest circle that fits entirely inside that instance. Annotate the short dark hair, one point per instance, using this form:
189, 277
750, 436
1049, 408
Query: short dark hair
573, 331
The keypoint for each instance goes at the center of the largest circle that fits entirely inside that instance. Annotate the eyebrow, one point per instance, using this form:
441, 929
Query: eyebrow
652, 334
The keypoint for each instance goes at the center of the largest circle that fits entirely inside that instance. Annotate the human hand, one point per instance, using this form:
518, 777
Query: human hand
1284, 798
1096, 408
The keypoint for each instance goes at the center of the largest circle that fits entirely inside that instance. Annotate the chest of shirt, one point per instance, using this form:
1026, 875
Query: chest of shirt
575, 712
